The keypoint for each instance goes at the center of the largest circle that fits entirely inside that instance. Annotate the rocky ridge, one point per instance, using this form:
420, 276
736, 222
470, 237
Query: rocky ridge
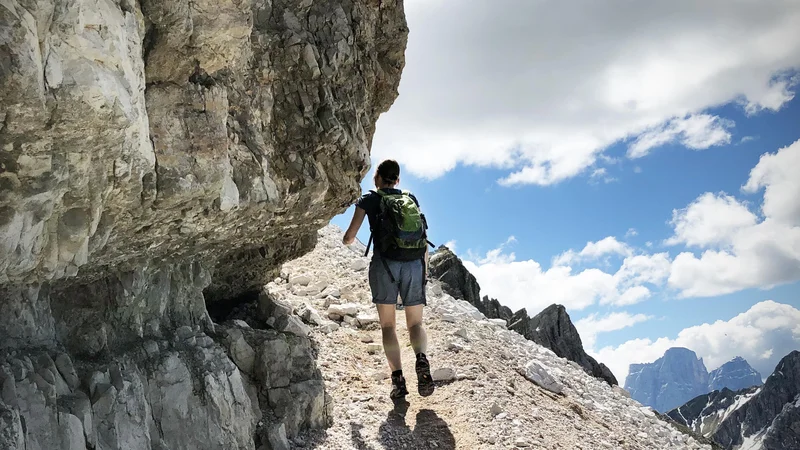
495, 389
159, 161
770, 419
551, 328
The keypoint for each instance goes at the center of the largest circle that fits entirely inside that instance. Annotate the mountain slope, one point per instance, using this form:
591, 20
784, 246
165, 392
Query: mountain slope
496, 389
551, 328
705, 413
770, 420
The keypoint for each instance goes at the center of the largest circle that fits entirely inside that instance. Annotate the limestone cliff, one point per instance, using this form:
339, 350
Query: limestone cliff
159, 158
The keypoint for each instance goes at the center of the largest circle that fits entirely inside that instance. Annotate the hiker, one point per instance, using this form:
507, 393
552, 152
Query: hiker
398, 266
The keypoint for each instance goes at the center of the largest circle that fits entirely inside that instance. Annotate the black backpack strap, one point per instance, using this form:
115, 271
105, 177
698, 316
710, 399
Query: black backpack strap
369, 242
388, 271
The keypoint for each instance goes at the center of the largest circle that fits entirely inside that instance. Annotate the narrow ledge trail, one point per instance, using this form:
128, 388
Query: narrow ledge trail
495, 390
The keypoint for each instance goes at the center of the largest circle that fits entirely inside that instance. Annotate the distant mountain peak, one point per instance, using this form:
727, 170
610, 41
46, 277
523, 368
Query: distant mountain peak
680, 375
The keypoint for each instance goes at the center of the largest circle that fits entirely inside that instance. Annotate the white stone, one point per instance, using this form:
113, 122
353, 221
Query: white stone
359, 264
538, 374
374, 348
296, 326
350, 320
499, 322
302, 280
347, 309
444, 374
365, 318
329, 327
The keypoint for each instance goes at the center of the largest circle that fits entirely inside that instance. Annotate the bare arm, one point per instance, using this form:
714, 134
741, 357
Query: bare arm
355, 224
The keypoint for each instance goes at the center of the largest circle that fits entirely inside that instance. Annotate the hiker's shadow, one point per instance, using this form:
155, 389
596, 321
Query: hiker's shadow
430, 431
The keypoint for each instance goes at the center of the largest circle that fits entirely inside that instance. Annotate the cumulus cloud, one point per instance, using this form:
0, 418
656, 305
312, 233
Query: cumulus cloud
697, 132
740, 249
593, 250
540, 89
762, 335
589, 327
525, 284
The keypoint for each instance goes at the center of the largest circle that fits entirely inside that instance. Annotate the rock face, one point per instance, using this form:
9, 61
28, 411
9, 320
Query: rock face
670, 381
459, 283
735, 375
160, 160
679, 376
770, 420
552, 328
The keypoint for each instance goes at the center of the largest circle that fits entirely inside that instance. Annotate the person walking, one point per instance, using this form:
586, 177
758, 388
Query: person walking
398, 267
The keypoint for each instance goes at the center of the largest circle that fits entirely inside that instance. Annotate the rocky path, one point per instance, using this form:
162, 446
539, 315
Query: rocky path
495, 390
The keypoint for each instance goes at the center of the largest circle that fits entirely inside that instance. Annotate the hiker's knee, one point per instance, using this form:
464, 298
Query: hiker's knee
388, 328
416, 328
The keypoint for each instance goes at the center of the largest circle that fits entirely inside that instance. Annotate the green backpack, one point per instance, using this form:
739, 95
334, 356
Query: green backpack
400, 232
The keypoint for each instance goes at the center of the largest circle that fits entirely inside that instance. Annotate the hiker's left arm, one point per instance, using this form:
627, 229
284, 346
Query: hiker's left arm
355, 224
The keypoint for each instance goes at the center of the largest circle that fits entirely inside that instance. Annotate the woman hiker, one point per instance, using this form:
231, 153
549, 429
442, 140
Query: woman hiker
398, 266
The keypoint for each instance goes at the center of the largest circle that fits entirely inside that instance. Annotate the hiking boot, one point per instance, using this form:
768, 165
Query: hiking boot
425, 384
398, 387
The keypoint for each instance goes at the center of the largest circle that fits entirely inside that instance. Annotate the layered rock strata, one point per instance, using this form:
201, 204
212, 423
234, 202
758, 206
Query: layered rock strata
160, 159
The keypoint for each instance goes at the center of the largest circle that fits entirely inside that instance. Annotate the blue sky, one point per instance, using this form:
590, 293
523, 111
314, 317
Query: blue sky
643, 153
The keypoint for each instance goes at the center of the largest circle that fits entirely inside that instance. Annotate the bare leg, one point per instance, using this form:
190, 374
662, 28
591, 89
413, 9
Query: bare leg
419, 340
390, 345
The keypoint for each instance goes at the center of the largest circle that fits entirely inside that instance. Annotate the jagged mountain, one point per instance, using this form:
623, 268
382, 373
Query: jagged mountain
680, 376
735, 375
670, 381
551, 328
705, 413
458, 282
770, 420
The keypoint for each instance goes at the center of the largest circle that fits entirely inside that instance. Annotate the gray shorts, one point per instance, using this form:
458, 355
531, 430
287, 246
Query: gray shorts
409, 282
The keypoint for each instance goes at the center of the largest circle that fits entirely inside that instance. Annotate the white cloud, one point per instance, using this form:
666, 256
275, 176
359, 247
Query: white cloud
740, 250
697, 132
589, 327
762, 335
631, 233
525, 284
710, 220
593, 250
777, 173
451, 245
540, 91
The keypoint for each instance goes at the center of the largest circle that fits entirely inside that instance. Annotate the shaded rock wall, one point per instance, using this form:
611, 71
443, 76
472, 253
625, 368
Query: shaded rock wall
155, 157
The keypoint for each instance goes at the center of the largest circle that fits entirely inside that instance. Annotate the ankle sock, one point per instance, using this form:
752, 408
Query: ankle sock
397, 373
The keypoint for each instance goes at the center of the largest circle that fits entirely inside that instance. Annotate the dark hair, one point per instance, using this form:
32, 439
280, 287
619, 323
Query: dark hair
389, 170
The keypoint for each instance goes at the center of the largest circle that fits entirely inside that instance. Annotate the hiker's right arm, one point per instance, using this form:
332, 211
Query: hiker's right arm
355, 224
